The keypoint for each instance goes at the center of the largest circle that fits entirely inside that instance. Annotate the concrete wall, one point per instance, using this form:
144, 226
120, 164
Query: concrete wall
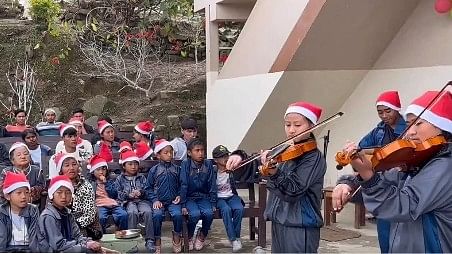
417, 59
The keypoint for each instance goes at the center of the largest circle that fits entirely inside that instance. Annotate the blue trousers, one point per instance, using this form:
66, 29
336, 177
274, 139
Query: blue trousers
119, 216
159, 215
231, 210
200, 208
137, 208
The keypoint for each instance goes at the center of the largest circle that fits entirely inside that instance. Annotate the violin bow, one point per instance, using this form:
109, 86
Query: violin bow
324, 122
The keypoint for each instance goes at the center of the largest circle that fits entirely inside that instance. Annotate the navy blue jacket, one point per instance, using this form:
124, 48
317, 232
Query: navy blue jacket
163, 183
198, 181
383, 134
110, 187
125, 187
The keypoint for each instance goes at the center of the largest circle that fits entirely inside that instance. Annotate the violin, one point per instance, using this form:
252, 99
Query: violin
284, 145
289, 153
402, 153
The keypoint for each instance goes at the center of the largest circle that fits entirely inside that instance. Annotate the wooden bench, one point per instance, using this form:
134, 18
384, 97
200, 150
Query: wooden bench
329, 216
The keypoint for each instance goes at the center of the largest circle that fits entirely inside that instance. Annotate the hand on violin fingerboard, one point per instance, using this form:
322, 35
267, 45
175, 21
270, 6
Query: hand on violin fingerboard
360, 162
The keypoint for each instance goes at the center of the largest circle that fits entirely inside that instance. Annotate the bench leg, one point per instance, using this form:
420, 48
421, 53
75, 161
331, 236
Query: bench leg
360, 215
252, 223
185, 235
262, 234
362, 222
328, 208
261, 222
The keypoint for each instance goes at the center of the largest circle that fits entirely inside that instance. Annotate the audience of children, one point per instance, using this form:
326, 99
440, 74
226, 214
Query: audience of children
78, 209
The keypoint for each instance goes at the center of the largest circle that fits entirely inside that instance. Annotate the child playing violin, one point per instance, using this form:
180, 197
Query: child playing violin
295, 187
415, 202
390, 127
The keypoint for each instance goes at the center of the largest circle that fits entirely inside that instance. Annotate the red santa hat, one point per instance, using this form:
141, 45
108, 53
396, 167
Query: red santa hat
308, 110
96, 162
74, 121
60, 157
143, 150
17, 145
102, 125
439, 114
389, 99
144, 128
14, 181
125, 145
64, 127
105, 152
57, 182
128, 155
160, 144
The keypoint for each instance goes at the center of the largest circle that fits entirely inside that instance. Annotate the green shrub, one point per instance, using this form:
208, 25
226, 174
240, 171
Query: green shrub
45, 11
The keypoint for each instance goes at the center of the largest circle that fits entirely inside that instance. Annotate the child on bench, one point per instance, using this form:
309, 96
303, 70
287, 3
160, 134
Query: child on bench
163, 190
230, 204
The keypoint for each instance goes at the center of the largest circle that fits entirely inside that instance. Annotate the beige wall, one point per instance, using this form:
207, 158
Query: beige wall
326, 88
264, 34
232, 106
423, 44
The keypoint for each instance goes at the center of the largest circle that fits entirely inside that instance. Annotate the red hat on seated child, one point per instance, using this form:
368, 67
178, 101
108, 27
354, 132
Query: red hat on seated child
160, 144
64, 127
14, 181
143, 150
96, 162
127, 156
144, 128
57, 182
102, 125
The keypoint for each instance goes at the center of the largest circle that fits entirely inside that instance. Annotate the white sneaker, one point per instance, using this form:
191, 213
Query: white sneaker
236, 245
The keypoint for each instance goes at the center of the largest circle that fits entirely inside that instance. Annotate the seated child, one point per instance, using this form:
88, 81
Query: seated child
107, 135
130, 185
230, 204
106, 193
198, 192
162, 189
57, 229
18, 219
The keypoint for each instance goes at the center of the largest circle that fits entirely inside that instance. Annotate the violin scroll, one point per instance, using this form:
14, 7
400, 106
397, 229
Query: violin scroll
343, 159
